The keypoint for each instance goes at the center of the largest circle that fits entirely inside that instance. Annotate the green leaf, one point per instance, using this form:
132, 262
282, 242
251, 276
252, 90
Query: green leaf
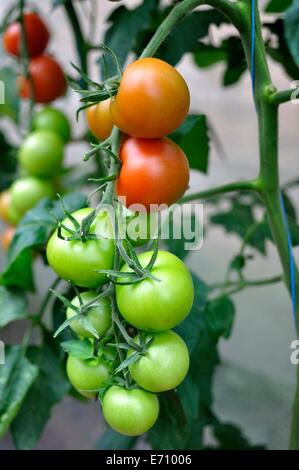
8, 85
220, 315
58, 3
292, 30
278, 48
184, 37
33, 232
16, 377
236, 63
277, 6
58, 316
123, 32
193, 138
13, 306
112, 440
8, 162
83, 349
238, 220
206, 55
49, 388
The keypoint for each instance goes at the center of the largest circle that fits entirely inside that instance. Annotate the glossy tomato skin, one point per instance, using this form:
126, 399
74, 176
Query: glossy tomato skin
37, 36
27, 192
152, 101
153, 172
41, 153
7, 237
99, 119
164, 365
47, 77
78, 261
86, 377
130, 412
99, 315
157, 305
52, 119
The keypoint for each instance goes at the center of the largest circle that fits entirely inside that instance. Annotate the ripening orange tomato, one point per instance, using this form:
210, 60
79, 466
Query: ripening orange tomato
48, 80
37, 35
7, 236
154, 171
152, 100
5, 202
99, 119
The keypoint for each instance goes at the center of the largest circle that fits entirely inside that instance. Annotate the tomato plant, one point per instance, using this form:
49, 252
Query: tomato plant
161, 303
36, 32
79, 260
47, 80
27, 191
152, 100
164, 365
87, 377
130, 412
52, 119
99, 119
99, 314
104, 325
41, 153
153, 172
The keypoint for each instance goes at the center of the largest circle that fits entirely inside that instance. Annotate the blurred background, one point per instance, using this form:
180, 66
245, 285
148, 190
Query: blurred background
254, 383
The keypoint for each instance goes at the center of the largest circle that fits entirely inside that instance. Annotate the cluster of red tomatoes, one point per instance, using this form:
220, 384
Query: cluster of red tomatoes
46, 80
40, 159
152, 101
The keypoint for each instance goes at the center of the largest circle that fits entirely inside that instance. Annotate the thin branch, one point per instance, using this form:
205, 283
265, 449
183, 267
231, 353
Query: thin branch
281, 97
251, 185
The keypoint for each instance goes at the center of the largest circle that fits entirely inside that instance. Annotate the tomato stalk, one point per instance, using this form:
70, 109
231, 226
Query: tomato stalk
267, 100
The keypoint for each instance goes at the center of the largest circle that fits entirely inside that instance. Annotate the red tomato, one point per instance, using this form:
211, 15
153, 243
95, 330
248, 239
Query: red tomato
152, 101
154, 171
99, 119
48, 80
37, 36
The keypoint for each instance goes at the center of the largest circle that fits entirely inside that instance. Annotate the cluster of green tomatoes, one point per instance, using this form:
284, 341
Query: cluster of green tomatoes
128, 303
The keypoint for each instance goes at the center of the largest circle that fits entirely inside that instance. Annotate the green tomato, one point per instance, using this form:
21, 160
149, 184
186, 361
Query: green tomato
27, 192
157, 305
99, 315
130, 412
87, 377
13, 215
78, 260
41, 153
54, 120
164, 365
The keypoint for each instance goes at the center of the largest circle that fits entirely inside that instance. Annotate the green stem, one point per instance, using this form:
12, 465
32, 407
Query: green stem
78, 35
226, 188
281, 97
249, 283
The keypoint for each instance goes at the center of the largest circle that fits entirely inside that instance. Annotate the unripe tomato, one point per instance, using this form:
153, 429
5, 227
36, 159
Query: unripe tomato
14, 215
77, 260
99, 119
7, 236
36, 32
47, 78
164, 365
87, 377
152, 101
157, 305
52, 119
41, 153
27, 192
5, 202
130, 412
99, 315
153, 172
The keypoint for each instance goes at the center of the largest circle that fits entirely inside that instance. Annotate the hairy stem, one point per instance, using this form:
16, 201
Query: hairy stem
78, 35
